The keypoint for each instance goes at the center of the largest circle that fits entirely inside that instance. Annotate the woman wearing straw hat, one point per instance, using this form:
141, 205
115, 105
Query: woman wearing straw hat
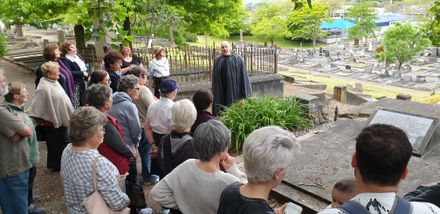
159, 68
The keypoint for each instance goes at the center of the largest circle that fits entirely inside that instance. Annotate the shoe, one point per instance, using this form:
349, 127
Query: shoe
35, 210
152, 180
146, 211
35, 198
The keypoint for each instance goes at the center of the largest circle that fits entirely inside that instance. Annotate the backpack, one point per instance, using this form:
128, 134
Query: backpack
400, 206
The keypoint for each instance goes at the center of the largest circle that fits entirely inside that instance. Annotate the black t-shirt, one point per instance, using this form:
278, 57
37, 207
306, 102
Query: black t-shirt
135, 60
232, 202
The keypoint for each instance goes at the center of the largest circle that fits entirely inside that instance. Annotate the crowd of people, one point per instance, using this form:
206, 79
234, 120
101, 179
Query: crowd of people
95, 134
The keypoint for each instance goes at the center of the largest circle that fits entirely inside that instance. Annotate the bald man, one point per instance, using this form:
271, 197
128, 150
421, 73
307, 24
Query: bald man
230, 80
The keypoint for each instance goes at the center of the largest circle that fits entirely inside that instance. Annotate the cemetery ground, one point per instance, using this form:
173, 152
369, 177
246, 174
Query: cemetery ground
371, 88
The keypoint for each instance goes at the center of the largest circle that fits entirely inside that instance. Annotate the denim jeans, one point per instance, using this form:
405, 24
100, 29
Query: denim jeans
144, 151
14, 193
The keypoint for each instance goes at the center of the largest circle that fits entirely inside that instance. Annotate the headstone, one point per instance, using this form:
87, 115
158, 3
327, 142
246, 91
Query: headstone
406, 97
313, 103
340, 93
61, 38
419, 129
407, 78
358, 87
327, 53
420, 79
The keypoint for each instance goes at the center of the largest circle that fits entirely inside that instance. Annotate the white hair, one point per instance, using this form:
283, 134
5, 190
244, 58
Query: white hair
184, 114
267, 150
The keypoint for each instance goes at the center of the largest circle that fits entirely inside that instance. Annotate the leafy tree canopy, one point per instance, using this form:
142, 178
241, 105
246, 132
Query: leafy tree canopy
305, 22
41, 13
365, 18
402, 42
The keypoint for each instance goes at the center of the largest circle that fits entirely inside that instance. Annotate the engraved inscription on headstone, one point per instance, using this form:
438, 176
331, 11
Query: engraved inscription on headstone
418, 129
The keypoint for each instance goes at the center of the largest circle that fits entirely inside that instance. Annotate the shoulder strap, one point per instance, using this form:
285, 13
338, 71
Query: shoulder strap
94, 172
401, 206
352, 207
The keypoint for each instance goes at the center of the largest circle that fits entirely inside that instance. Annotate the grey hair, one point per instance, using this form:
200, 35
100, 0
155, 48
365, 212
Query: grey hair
210, 139
84, 124
98, 94
127, 82
184, 114
267, 150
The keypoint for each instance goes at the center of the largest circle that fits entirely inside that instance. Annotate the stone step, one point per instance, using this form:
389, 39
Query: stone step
309, 202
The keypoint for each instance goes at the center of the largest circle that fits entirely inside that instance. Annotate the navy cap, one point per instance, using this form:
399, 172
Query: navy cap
168, 85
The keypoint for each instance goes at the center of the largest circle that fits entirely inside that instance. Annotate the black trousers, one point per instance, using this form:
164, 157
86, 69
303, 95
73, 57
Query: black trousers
56, 140
156, 85
155, 169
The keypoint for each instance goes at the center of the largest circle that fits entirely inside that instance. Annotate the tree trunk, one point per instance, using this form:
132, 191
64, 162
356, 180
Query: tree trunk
19, 31
314, 44
79, 38
172, 44
127, 27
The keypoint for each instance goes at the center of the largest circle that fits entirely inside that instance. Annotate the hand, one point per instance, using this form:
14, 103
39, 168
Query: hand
15, 138
227, 161
281, 209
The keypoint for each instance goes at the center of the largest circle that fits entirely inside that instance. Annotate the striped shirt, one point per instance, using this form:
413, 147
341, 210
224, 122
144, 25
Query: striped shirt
76, 174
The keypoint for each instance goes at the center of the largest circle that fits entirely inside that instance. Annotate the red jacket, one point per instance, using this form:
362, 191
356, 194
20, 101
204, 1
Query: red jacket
114, 147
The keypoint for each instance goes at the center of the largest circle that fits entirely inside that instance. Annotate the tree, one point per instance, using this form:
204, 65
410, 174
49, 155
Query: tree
301, 3
433, 25
333, 4
305, 22
209, 16
401, 43
41, 14
269, 21
365, 19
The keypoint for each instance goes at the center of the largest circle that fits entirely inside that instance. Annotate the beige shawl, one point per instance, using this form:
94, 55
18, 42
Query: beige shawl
51, 103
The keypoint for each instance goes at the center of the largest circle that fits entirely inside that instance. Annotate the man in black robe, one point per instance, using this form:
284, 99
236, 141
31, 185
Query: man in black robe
230, 80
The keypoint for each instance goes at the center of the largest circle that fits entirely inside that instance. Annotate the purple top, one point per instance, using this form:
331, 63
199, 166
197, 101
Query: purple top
202, 116
69, 79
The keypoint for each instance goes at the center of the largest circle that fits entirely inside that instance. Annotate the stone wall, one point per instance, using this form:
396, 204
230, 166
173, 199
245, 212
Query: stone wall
262, 85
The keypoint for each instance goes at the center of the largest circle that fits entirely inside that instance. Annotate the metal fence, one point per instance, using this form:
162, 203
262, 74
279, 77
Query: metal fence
195, 64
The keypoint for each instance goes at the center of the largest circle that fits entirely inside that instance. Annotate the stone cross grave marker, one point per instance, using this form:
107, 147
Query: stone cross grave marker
419, 129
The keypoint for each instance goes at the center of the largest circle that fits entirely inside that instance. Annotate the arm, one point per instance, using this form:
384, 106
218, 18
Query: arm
162, 192
13, 126
134, 124
113, 139
148, 131
73, 67
429, 194
107, 185
231, 167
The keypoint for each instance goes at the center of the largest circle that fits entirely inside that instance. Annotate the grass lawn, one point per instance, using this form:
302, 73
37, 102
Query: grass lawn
374, 89
252, 39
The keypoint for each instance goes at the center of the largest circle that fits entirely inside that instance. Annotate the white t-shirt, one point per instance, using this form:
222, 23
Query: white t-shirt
381, 203
160, 116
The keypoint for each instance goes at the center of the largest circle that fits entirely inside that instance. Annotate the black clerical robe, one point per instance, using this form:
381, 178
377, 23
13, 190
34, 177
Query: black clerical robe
230, 81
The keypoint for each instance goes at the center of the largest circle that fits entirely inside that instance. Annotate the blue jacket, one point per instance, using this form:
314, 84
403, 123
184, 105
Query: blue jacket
126, 113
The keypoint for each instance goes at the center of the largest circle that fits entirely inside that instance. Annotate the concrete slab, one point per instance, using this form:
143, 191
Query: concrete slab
325, 158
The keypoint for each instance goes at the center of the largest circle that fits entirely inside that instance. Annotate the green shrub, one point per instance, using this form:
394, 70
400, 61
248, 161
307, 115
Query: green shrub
3, 48
245, 116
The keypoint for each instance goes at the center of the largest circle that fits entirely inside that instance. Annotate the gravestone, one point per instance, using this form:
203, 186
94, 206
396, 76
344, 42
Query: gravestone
313, 103
419, 129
